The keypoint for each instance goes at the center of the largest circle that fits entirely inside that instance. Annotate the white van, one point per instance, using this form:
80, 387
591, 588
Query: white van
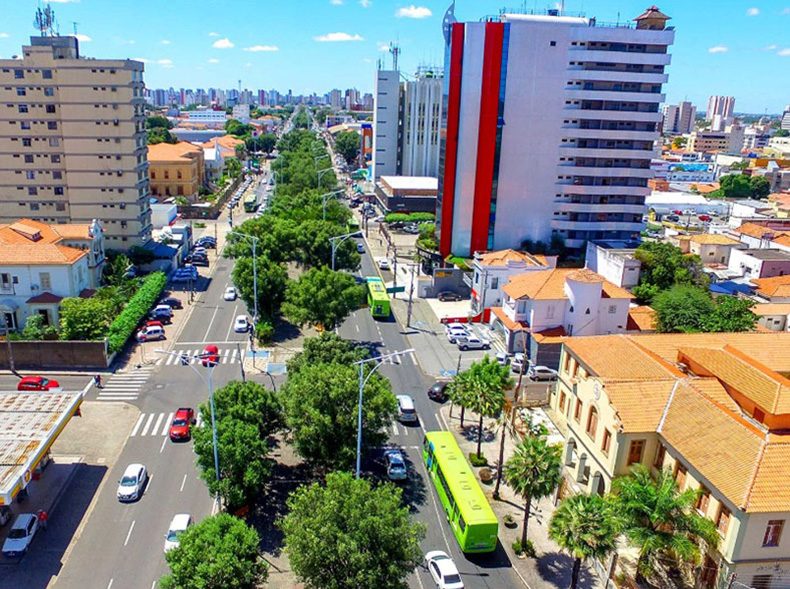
406, 410
179, 525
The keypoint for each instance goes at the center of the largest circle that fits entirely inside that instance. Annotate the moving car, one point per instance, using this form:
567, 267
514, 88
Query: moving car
412, 229
36, 383
396, 465
21, 535
241, 324
383, 264
449, 296
147, 334
407, 413
541, 373
518, 364
172, 302
455, 331
503, 358
178, 526
130, 487
230, 294
705, 218
360, 248
179, 429
472, 342
438, 392
210, 356
443, 570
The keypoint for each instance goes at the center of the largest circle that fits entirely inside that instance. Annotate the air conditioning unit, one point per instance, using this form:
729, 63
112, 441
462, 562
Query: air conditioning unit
34, 287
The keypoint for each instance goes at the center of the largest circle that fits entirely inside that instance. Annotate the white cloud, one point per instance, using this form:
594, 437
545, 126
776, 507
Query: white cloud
413, 12
334, 37
213, 34
213, 60
753, 12
222, 44
3, 35
165, 62
719, 49
82, 38
142, 59
786, 10
770, 47
248, 64
783, 53
262, 48
165, 42
336, 2
364, 3
383, 45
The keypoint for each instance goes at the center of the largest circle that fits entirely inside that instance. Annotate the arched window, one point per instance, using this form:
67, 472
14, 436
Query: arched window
592, 422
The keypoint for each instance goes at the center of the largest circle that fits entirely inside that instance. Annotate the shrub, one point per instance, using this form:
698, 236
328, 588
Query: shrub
264, 331
421, 217
477, 460
199, 225
125, 324
528, 550
396, 218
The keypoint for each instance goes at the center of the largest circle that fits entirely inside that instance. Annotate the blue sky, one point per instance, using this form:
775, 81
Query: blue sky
725, 47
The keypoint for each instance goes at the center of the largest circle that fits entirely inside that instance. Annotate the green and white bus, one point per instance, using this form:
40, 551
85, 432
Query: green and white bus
378, 297
250, 202
473, 521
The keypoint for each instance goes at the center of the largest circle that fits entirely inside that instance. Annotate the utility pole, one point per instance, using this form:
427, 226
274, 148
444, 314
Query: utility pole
241, 363
731, 581
7, 331
395, 267
411, 295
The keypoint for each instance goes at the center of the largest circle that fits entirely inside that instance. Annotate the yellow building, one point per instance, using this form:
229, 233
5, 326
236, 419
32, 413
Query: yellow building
712, 408
175, 169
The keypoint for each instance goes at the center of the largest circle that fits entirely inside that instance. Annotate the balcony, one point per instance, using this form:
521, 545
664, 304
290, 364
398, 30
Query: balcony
577, 93
610, 207
597, 225
606, 172
621, 57
568, 187
567, 150
614, 115
577, 73
574, 132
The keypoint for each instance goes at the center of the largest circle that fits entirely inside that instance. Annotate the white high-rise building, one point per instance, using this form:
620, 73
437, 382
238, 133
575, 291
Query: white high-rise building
786, 119
550, 126
386, 127
721, 111
679, 118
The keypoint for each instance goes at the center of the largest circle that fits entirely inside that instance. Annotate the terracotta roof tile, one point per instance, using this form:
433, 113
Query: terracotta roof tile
502, 257
771, 309
45, 297
758, 231
713, 239
770, 491
39, 254
778, 286
550, 284
172, 152
552, 335
508, 322
618, 357
642, 318
639, 405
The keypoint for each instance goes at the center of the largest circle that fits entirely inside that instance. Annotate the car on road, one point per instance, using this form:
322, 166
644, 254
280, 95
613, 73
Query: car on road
36, 383
689, 212
396, 465
443, 570
241, 324
677, 212
130, 487
21, 535
383, 263
179, 428
705, 218
455, 330
472, 342
518, 364
449, 296
438, 391
503, 358
673, 218
172, 302
147, 334
407, 412
178, 526
230, 294
199, 250
541, 373
210, 356
5, 515
360, 248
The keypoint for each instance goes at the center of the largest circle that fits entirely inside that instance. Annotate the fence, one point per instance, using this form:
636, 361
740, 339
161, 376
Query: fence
55, 354
213, 211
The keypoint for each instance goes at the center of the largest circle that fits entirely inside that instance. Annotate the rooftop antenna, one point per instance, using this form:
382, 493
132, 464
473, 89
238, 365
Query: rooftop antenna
395, 50
45, 20
74, 24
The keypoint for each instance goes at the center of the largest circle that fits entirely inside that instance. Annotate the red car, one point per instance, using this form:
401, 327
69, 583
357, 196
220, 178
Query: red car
678, 213
179, 429
154, 324
210, 356
706, 218
36, 383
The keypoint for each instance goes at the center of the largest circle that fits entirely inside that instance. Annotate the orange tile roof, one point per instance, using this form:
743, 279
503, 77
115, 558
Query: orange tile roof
502, 257
508, 322
713, 239
758, 231
173, 152
37, 243
552, 335
618, 357
639, 405
777, 286
708, 188
764, 309
642, 318
226, 141
550, 284
35, 254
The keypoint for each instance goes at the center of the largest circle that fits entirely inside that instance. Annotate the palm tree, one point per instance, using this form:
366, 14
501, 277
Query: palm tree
506, 427
584, 526
658, 518
459, 390
533, 472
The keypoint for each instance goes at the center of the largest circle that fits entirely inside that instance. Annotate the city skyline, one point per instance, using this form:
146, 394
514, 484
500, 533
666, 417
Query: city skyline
340, 43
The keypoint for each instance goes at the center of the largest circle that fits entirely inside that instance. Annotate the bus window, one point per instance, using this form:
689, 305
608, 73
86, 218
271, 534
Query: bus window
461, 523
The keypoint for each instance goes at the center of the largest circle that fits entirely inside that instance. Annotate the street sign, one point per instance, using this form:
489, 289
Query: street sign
394, 289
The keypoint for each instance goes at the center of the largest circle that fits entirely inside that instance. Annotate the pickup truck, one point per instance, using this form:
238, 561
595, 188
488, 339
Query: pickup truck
472, 342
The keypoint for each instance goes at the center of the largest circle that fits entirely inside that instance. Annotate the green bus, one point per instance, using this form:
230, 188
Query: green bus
353, 225
378, 297
250, 202
473, 521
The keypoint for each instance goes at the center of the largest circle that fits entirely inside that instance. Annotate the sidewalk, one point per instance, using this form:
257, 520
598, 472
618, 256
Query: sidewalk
550, 569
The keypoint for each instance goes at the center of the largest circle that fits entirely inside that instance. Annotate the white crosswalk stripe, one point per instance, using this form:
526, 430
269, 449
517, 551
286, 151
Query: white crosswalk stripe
227, 356
152, 424
124, 386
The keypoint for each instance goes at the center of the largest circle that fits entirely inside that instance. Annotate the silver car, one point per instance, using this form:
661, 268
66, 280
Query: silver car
130, 487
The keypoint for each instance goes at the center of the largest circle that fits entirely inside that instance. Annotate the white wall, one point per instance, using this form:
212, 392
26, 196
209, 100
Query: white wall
744, 265
385, 124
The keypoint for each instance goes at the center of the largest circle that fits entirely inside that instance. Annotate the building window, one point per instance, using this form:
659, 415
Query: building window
32, 191
46, 281
49, 92
19, 74
703, 501
567, 365
562, 401
680, 476
24, 125
50, 108
612, 308
54, 142
33, 205
773, 532
46, 74
661, 452
179, 174
22, 107
29, 160
606, 444
577, 412
723, 520
635, 451
52, 125
61, 206
167, 175
57, 175
55, 159
592, 422
58, 191
27, 142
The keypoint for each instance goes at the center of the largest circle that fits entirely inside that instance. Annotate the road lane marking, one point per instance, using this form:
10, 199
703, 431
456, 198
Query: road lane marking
210, 323
232, 321
183, 482
138, 424
147, 425
156, 427
394, 429
164, 441
110, 584
439, 514
167, 423
357, 328
128, 535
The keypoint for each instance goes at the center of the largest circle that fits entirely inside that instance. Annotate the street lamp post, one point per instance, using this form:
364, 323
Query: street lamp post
379, 360
342, 238
325, 198
254, 270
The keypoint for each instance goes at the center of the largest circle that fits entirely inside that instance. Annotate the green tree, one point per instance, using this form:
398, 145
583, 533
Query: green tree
316, 249
689, 309
84, 319
272, 280
347, 145
322, 297
584, 526
663, 266
320, 403
760, 187
659, 519
484, 386
34, 328
158, 122
533, 472
237, 128
732, 314
160, 135
735, 186
277, 239
250, 402
349, 534
220, 552
267, 142
679, 142
327, 348
782, 133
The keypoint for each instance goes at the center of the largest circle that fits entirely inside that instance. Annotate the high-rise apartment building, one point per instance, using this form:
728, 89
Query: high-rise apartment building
721, 111
73, 143
785, 123
336, 98
386, 123
549, 128
679, 118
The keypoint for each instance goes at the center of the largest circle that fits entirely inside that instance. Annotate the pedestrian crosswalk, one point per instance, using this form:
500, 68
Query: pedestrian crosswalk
227, 356
155, 424
124, 386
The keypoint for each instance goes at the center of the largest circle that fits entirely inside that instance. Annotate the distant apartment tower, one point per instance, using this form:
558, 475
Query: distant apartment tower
679, 118
336, 99
720, 112
785, 124
73, 142
549, 128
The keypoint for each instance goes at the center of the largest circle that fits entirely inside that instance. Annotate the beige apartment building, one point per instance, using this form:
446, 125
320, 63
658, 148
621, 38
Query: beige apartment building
73, 141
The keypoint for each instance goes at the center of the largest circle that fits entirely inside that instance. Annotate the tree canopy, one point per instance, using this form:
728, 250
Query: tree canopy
84, 319
349, 534
327, 348
272, 280
663, 266
742, 186
347, 145
322, 297
685, 308
158, 122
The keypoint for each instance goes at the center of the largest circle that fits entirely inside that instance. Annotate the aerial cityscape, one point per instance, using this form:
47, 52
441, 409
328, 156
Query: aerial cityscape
354, 294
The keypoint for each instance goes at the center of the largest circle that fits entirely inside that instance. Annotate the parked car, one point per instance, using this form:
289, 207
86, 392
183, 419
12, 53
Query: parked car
412, 229
383, 264
241, 324
503, 358
443, 570
396, 465
438, 392
130, 487
677, 212
147, 334
36, 383
689, 212
154, 324
449, 296
210, 356
407, 412
230, 294
5, 515
197, 260
172, 302
455, 331
155, 319
541, 373
472, 342
178, 525
21, 535
162, 310
179, 428
518, 364
673, 218
199, 250
705, 218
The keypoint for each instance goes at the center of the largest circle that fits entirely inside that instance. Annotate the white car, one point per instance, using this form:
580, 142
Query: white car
241, 324
179, 525
383, 264
472, 342
21, 535
518, 364
230, 294
396, 465
455, 331
443, 570
541, 373
407, 412
130, 487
